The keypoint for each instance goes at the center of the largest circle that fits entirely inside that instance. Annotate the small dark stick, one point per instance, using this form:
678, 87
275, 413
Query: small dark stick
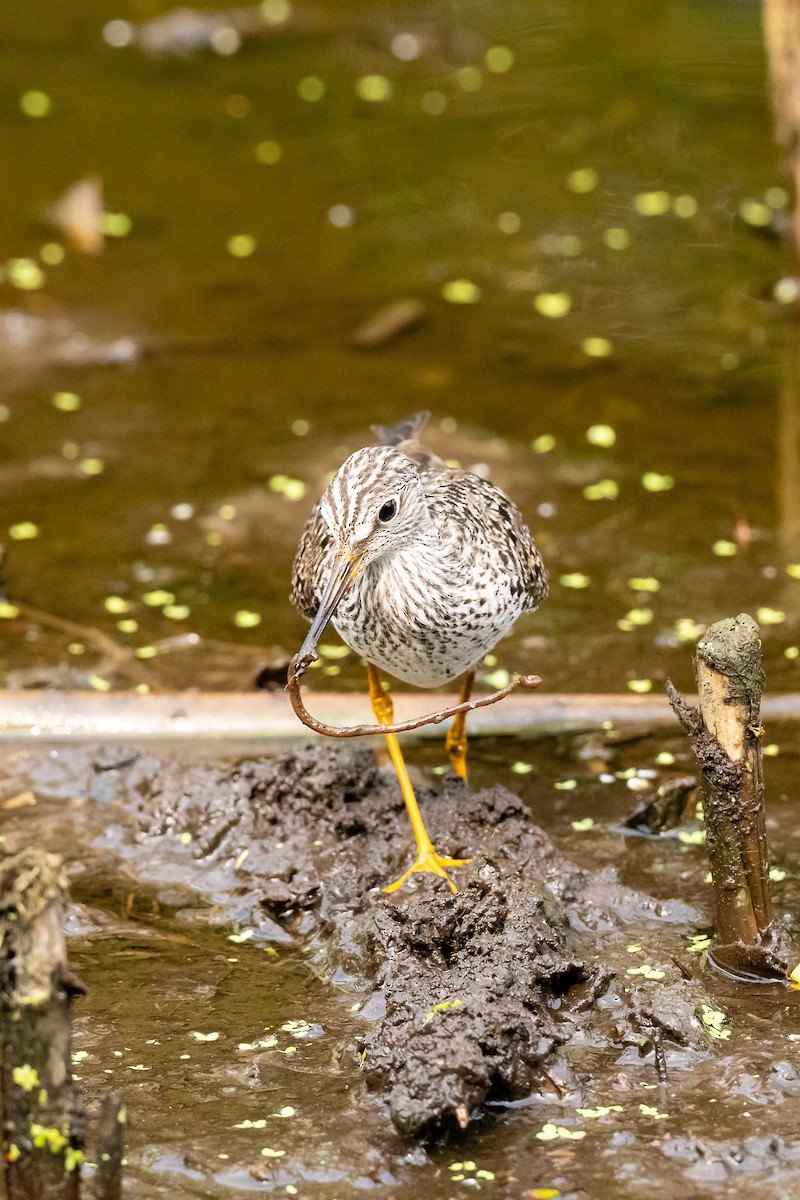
432, 718
726, 737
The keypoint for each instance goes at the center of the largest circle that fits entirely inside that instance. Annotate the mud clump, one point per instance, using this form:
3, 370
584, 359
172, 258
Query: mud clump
477, 997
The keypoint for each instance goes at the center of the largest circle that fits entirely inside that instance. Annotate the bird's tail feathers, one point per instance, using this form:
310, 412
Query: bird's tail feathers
406, 431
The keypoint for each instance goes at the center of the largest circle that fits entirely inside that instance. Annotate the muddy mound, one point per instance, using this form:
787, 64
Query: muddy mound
481, 996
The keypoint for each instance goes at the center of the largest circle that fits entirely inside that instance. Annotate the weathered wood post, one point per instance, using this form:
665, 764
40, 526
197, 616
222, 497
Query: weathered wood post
726, 737
41, 1113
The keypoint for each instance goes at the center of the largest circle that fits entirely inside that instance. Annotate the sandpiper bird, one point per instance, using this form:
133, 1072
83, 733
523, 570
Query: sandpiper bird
422, 569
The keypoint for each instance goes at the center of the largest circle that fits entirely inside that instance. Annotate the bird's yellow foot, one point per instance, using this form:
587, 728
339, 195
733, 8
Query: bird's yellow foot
428, 860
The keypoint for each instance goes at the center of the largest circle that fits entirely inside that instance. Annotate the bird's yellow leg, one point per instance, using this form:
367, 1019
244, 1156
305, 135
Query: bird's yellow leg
456, 740
427, 857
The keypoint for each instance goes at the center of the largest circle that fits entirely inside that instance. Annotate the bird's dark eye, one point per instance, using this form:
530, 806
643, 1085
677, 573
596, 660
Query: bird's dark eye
388, 510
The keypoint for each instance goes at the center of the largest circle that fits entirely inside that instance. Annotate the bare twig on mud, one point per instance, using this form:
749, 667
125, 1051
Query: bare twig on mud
431, 718
726, 737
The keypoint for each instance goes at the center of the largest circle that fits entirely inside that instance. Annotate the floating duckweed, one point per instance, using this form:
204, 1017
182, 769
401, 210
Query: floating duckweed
772, 750
244, 619
275, 12
25, 273
239, 938
604, 489
575, 580
692, 837
570, 245
724, 549
640, 686
43, 1135
644, 583
792, 652
35, 103
144, 652
654, 482
498, 679
176, 612
461, 291
204, 1037
754, 212
597, 347
311, 88
602, 1110
648, 1111
300, 427
66, 401
687, 629
158, 535
8, 611
698, 943
373, 88
777, 875
115, 224
269, 152
544, 443
715, 1023
5, 412
52, 253
128, 625
684, 206
640, 616
521, 768
770, 616
76, 648
584, 180
549, 1132
469, 79
328, 651
433, 103
552, 304
25, 1077
665, 759
601, 435
565, 785
652, 204
633, 948
91, 466
24, 531
509, 222
583, 825
158, 598
793, 570
646, 971
260, 1123
786, 290
241, 245
268, 1152
794, 977
776, 197
116, 604
617, 238
499, 59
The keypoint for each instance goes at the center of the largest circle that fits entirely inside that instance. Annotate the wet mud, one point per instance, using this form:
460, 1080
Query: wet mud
477, 996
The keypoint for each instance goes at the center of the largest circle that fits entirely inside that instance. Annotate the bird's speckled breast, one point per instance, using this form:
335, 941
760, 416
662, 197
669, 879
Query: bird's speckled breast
428, 615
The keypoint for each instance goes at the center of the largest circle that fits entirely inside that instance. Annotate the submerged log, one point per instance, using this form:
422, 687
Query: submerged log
43, 1120
41, 1112
726, 737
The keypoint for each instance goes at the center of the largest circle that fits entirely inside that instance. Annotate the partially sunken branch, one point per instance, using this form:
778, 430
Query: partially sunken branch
726, 738
42, 1115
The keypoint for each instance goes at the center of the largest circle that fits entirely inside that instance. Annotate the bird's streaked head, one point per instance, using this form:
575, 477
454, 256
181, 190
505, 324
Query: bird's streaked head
375, 504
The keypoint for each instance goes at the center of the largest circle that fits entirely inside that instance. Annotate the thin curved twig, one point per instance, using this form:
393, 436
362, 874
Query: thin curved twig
433, 718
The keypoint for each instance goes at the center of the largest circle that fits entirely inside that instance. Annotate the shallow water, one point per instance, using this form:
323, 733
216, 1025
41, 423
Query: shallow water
665, 102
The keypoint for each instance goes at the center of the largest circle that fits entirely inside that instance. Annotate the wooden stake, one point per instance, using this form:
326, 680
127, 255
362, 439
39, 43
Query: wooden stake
726, 737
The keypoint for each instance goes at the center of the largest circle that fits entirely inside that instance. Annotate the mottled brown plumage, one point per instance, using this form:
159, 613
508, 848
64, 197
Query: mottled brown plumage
440, 582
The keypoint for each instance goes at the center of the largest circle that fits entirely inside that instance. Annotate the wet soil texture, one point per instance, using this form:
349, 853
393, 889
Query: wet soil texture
543, 993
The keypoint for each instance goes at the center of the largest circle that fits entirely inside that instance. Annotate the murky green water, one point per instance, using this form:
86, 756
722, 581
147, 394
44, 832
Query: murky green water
462, 173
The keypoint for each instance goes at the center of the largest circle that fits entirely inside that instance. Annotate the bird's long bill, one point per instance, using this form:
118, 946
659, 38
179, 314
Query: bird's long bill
343, 572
